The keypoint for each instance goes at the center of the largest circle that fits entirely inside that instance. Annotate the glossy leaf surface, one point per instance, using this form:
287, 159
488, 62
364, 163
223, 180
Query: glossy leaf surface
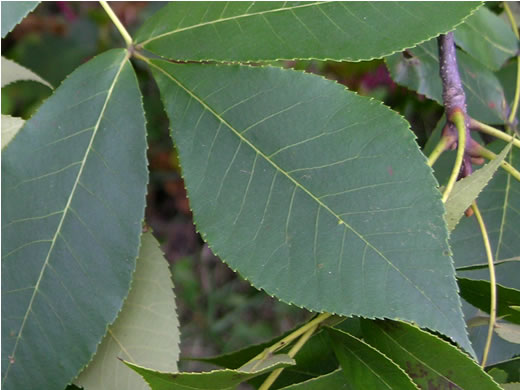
487, 38
146, 331
253, 31
73, 193
13, 12
419, 71
428, 360
364, 366
211, 380
313, 193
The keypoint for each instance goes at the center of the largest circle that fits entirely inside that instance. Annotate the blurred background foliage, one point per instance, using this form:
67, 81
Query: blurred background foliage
218, 310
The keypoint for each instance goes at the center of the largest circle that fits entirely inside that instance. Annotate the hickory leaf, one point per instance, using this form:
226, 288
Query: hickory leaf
315, 229
73, 194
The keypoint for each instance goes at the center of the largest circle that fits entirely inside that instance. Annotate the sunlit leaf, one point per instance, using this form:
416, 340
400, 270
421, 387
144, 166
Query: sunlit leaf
12, 72
212, 380
312, 193
146, 332
73, 194
252, 31
10, 127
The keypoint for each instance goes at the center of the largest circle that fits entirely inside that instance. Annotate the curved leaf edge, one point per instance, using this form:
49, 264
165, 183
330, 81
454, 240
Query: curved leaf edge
322, 310
345, 59
127, 58
23, 17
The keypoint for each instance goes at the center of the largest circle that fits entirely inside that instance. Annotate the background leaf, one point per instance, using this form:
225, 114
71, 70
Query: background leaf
311, 192
249, 31
466, 190
427, 359
10, 127
333, 380
418, 69
146, 332
73, 194
212, 380
13, 12
12, 72
487, 38
509, 332
364, 366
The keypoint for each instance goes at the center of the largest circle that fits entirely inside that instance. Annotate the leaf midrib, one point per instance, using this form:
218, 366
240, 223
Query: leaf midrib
227, 19
297, 184
65, 213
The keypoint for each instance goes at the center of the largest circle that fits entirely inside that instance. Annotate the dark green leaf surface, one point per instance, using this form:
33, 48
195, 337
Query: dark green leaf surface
312, 193
511, 367
419, 71
428, 360
73, 193
334, 380
365, 367
487, 38
212, 380
477, 292
13, 12
253, 31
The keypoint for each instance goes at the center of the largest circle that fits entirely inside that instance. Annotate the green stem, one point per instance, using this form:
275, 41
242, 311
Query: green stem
437, 151
516, 99
483, 128
126, 36
492, 281
292, 353
486, 153
458, 120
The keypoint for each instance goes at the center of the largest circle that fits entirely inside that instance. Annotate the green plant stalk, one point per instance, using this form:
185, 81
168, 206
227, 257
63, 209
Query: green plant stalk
492, 281
483, 128
514, 109
437, 151
292, 353
126, 36
458, 119
486, 153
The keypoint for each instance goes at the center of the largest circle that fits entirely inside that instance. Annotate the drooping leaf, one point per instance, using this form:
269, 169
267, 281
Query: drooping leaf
509, 332
12, 72
428, 360
365, 367
13, 12
249, 31
333, 380
10, 127
418, 69
146, 332
487, 38
73, 193
511, 367
477, 292
213, 380
499, 204
466, 190
312, 192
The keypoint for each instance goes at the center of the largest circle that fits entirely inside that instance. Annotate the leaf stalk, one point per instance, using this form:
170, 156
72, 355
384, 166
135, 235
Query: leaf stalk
483, 128
122, 30
516, 99
458, 119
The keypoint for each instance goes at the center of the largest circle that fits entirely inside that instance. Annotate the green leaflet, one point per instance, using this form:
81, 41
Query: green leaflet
312, 193
145, 332
364, 367
487, 38
12, 72
211, 380
466, 190
477, 292
428, 360
10, 127
419, 71
333, 380
13, 12
511, 367
254, 31
73, 195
